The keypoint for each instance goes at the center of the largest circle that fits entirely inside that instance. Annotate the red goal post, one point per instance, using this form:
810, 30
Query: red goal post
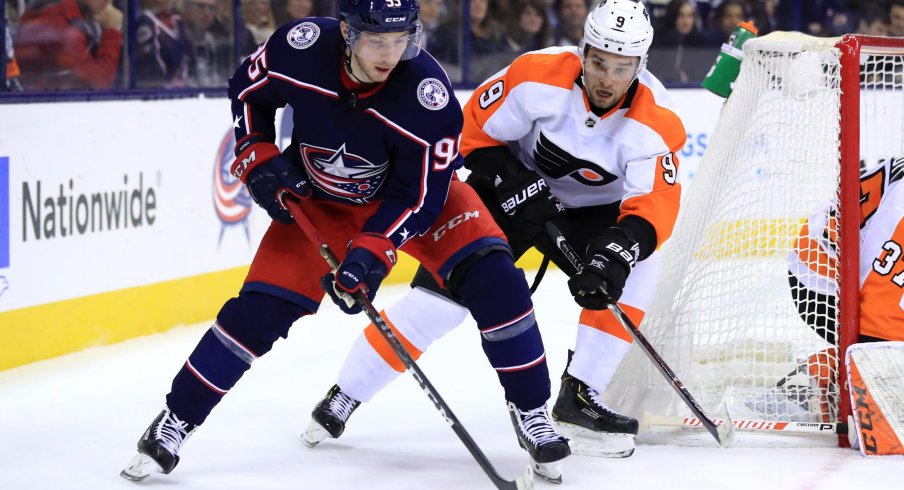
855, 48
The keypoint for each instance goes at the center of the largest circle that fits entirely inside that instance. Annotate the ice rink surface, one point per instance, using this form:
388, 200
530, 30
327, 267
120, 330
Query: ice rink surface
72, 422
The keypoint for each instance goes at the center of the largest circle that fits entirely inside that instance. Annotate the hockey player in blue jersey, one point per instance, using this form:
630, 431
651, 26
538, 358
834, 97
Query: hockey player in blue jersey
372, 158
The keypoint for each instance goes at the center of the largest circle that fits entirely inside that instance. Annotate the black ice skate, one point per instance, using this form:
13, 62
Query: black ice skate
329, 417
593, 428
158, 448
538, 436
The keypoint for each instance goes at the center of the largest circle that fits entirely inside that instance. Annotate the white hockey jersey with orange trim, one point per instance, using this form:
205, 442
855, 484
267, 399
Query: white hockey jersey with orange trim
813, 260
537, 107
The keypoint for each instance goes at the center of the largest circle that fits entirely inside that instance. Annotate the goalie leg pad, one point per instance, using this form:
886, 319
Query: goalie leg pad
499, 300
876, 377
246, 329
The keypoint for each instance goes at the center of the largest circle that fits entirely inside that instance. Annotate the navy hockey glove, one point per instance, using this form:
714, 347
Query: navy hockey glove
370, 258
269, 176
611, 256
525, 197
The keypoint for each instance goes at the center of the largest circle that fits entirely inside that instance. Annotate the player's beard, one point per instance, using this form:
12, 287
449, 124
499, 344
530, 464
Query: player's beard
604, 103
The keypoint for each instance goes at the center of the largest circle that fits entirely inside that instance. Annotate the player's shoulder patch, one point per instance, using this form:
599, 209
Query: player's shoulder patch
432, 94
303, 35
144, 33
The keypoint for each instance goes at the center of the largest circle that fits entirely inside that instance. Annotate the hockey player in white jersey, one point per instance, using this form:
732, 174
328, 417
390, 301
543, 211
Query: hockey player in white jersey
586, 139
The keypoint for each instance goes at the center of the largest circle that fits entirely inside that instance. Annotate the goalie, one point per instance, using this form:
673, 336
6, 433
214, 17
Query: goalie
811, 389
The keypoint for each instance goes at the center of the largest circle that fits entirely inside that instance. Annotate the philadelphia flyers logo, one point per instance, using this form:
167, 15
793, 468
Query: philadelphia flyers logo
558, 163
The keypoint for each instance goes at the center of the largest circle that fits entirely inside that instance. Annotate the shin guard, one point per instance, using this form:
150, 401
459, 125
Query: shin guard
497, 295
246, 329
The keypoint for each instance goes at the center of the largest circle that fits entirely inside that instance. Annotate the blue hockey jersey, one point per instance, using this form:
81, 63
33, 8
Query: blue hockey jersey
398, 145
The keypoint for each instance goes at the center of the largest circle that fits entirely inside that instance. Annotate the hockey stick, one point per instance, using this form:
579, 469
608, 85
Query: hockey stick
722, 433
833, 428
523, 482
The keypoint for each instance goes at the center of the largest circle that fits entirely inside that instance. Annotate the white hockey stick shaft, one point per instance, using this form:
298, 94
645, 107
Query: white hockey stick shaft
744, 425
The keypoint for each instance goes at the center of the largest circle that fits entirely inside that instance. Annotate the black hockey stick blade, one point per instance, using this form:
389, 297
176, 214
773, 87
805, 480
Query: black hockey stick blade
723, 434
525, 481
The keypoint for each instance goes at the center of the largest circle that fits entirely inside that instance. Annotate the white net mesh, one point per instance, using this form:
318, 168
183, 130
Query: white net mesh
730, 320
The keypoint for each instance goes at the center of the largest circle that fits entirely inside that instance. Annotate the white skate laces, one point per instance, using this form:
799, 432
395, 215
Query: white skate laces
595, 398
535, 424
342, 405
171, 432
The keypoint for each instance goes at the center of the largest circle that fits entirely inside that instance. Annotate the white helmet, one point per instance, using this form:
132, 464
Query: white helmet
619, 26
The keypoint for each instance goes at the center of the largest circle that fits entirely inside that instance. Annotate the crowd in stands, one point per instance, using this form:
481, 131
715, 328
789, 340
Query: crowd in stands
79, 44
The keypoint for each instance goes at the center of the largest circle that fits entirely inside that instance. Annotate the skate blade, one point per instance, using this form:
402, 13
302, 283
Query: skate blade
314, 434
551, 472
586, 442
140, 468
526, 480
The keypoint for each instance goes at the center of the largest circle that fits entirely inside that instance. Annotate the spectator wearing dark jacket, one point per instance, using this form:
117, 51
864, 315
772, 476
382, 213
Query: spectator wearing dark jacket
164, 52
486, 55
725, 18
528, 27
680, 26
678, 54
571, 15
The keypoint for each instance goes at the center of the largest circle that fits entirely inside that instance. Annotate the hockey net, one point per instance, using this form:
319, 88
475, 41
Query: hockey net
786, 150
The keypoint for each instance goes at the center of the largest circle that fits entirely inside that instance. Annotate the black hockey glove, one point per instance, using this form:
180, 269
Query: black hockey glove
269, 175
610, 258
525, 197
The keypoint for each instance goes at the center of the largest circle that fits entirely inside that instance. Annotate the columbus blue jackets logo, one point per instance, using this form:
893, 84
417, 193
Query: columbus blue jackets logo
343, 174
230, 197
432, 94
303, 35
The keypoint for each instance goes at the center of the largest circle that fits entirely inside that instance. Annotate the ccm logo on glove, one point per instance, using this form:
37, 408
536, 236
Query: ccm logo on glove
239, 169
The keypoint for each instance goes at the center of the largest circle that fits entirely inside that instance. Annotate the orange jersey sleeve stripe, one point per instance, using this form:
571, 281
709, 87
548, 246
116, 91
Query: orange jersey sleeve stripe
605, 321
472, 135
532, 67
659, 207
660, 119
379, 344
665, 201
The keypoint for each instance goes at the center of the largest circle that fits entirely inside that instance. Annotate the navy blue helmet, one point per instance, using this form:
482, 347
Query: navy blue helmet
379, 16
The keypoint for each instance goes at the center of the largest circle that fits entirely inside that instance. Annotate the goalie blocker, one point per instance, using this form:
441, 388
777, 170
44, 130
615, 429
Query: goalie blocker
876, 375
